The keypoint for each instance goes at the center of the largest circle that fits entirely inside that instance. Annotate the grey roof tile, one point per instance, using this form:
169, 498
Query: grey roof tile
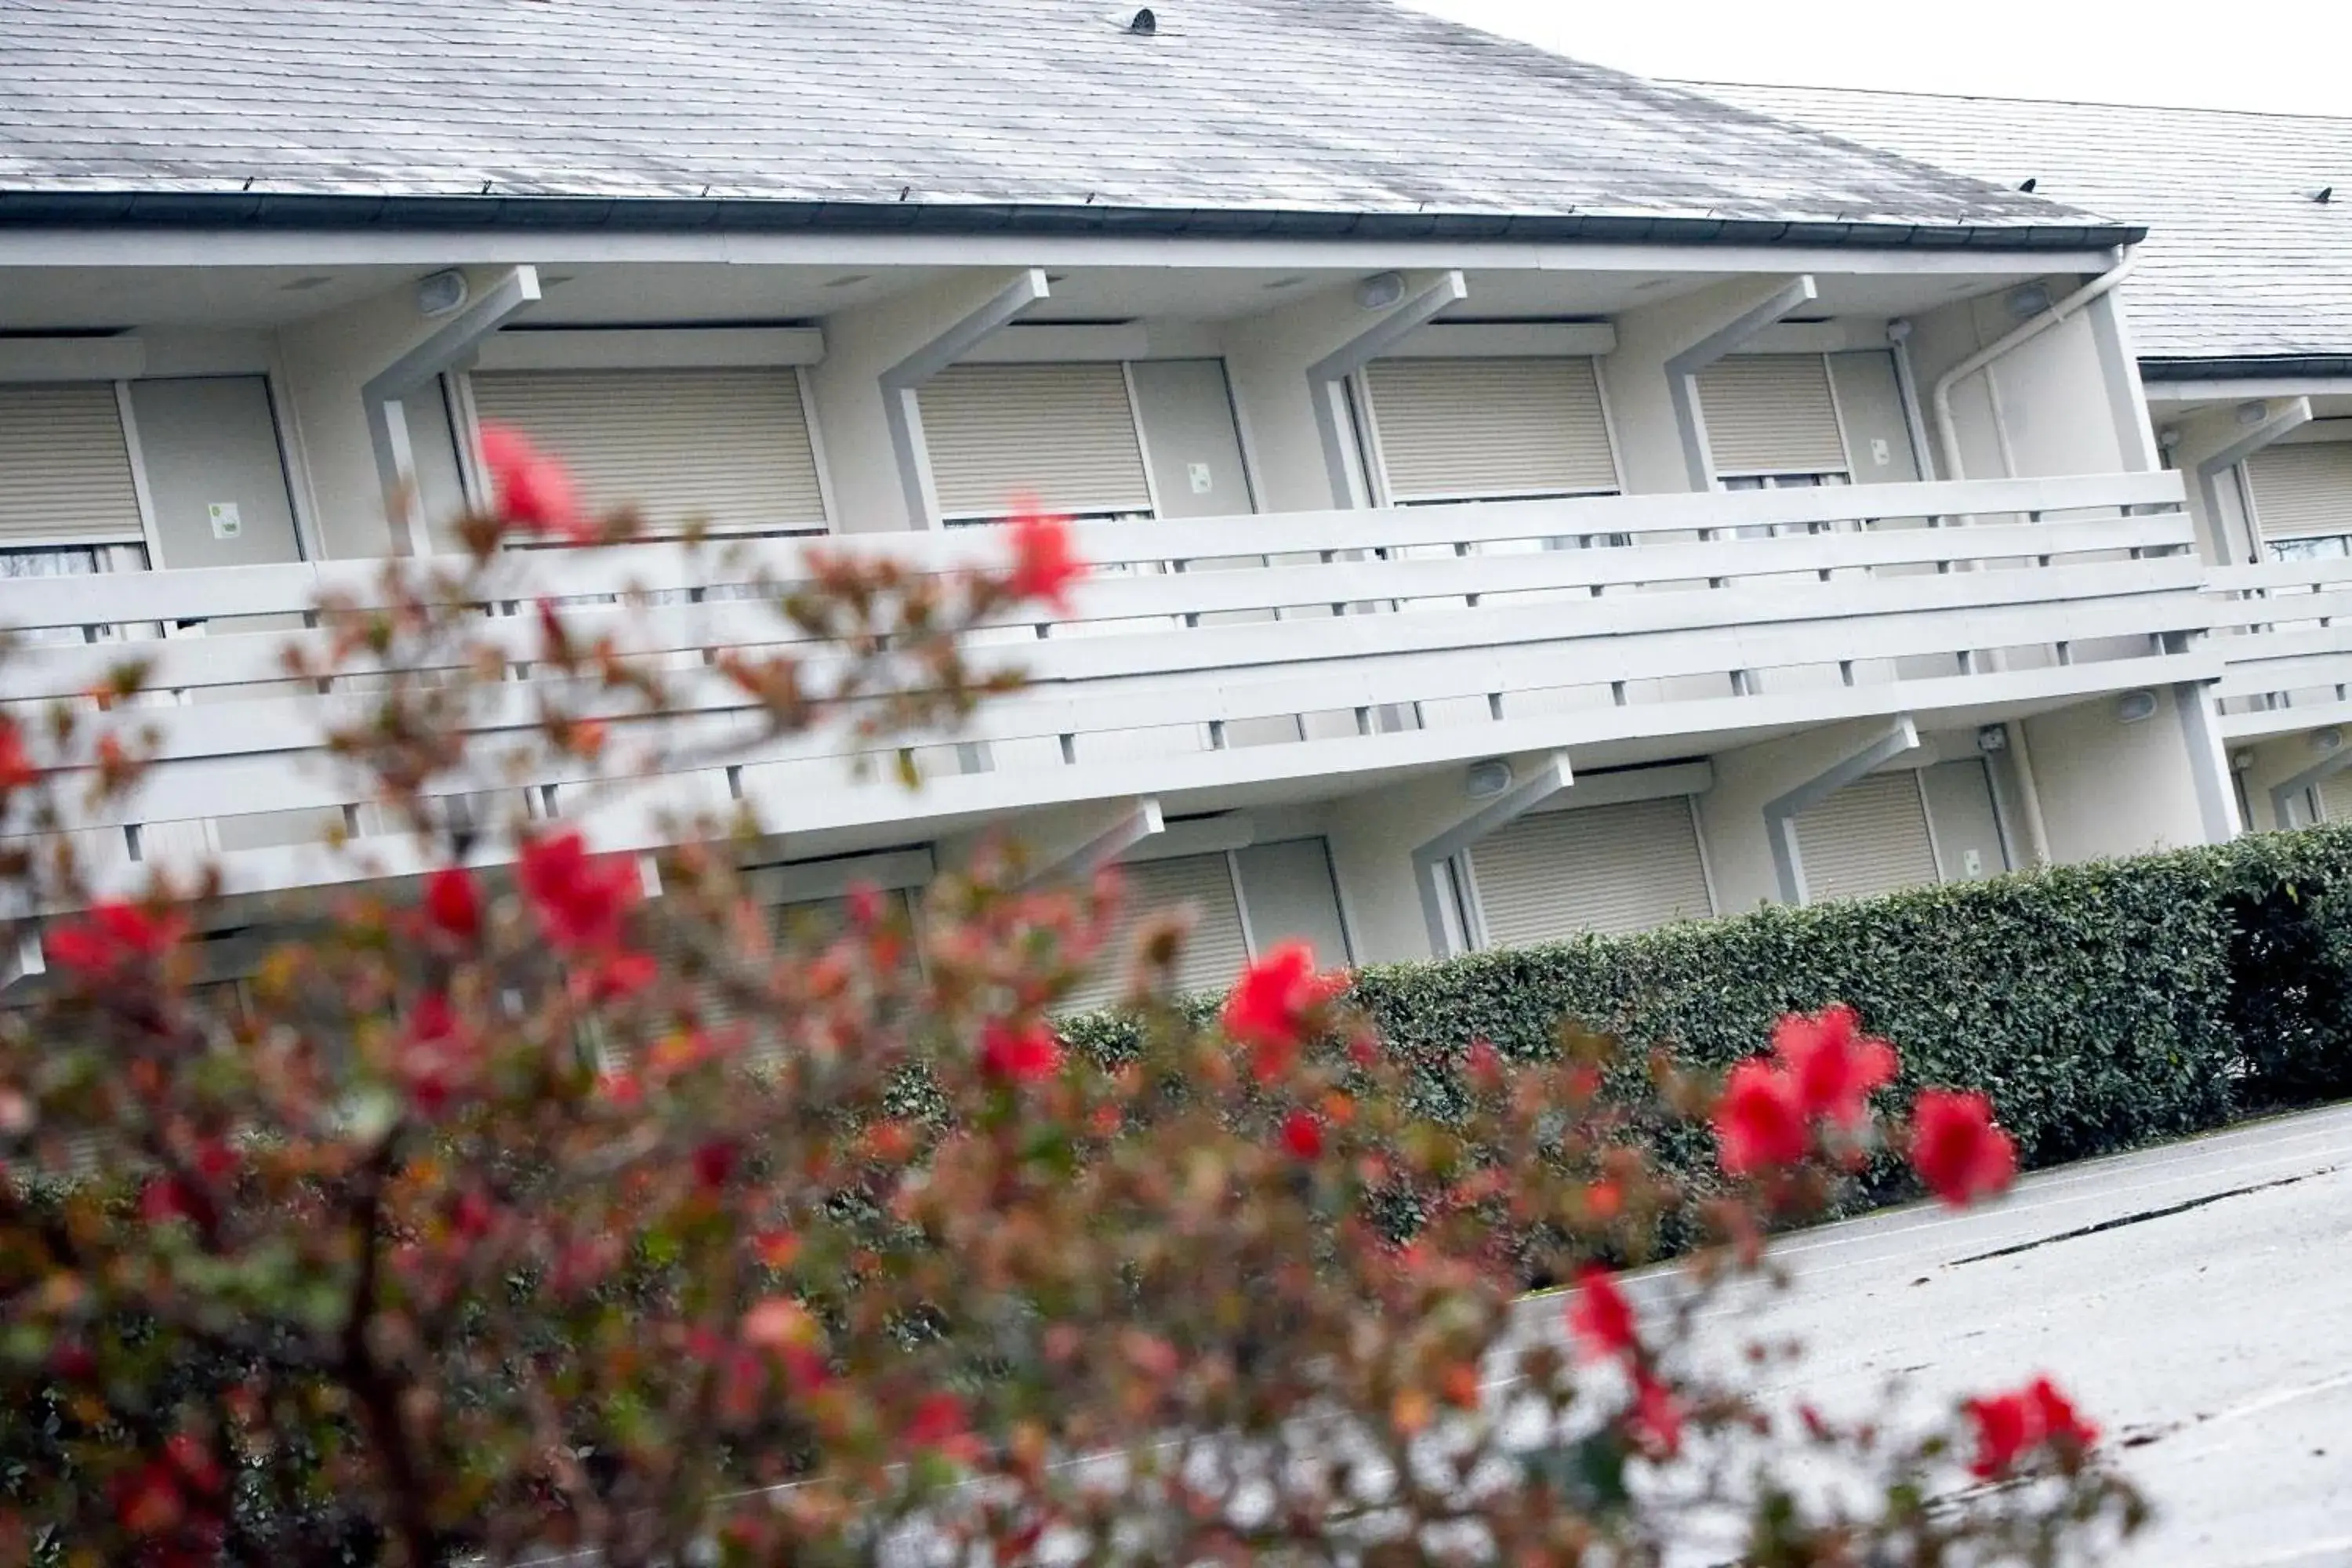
1330, 106
2240, 261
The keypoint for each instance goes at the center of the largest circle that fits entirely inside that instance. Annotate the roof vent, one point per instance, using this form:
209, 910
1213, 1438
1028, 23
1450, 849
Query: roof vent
1143, 23
2028, 186
2325, 194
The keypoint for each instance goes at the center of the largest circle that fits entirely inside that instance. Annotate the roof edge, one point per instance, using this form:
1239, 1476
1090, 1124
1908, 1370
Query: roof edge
2244, 367
129, 209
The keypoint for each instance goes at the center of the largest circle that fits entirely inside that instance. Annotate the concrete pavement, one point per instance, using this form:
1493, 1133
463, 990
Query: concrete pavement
2196, 1298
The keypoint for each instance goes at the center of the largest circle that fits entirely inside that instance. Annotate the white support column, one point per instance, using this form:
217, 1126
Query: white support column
381, 398
2119, 370
902, 382
1429, 859
1683, 368
2208, 758
1780, 813
1326, 381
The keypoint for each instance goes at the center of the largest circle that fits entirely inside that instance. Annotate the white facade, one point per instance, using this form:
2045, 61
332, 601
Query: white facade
1724, 645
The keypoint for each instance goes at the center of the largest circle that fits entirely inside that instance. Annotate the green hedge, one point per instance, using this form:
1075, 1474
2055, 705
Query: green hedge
2102, 1005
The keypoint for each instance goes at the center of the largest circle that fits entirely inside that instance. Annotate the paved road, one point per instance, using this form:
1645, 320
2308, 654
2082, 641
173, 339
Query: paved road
2197, 1299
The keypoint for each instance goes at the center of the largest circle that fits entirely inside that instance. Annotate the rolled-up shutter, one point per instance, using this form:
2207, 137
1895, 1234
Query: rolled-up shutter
2303, 490
1771, 413
727, 448
1607, 868
1466, 430
2336, 796
1216, 949
65, 468
1061, 434
1869, 837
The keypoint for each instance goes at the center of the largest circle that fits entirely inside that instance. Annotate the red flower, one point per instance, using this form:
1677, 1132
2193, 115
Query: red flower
112, 934
451, 902
580, 898
147, 1501
1760, 1125
777, 1249
1832, 1063
437, 1057
714, 1164
1042, 566
2010, 1425
1028, 1053
16, 769
2061, 1422
1302, 1135
164, 1199
622, 975
1656, 1422
1486, 1064
1275, 1004
942, 1423
1600, 1316
532, 488
472, 1215
192, 1461
1957, 1150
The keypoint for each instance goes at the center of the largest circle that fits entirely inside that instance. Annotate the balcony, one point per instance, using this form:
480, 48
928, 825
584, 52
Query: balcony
2287, 656
1216, 662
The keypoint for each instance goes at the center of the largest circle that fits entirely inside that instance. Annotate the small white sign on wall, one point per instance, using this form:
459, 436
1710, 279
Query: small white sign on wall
1199, 473
226, 523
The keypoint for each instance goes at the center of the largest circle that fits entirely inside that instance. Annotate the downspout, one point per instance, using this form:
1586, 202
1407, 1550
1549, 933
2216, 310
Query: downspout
1907, 388
1948, 436
1947, 439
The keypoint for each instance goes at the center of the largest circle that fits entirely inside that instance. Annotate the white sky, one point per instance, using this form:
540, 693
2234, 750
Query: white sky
2283, 55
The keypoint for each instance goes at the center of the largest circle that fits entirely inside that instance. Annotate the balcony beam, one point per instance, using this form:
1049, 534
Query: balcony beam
1326, 381
1781, 812
1683, 368
384, 397
1081, 853
902, 383
2292, 415
1433, 861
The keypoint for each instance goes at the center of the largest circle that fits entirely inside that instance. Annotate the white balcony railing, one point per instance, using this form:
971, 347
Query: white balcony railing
1284, 652
2286, 638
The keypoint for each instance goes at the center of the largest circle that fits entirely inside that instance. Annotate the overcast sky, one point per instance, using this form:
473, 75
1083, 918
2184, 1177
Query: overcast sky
2285, 56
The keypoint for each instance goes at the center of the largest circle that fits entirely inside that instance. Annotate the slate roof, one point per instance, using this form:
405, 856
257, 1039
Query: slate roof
2240, 266
1339, 116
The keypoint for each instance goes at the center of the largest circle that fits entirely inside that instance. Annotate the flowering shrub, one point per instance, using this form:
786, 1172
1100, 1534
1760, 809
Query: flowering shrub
513, 1210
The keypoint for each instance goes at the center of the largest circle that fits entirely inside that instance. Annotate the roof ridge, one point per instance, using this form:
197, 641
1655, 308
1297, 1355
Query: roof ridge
1700, 86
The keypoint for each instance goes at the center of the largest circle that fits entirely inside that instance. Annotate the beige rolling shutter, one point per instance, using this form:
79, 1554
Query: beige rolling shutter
1607, 868
65, 468
2303, 490
727, 448
1214, 954
1771, 413
2336, 796
1869, 837
1063, 434
1466, 430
